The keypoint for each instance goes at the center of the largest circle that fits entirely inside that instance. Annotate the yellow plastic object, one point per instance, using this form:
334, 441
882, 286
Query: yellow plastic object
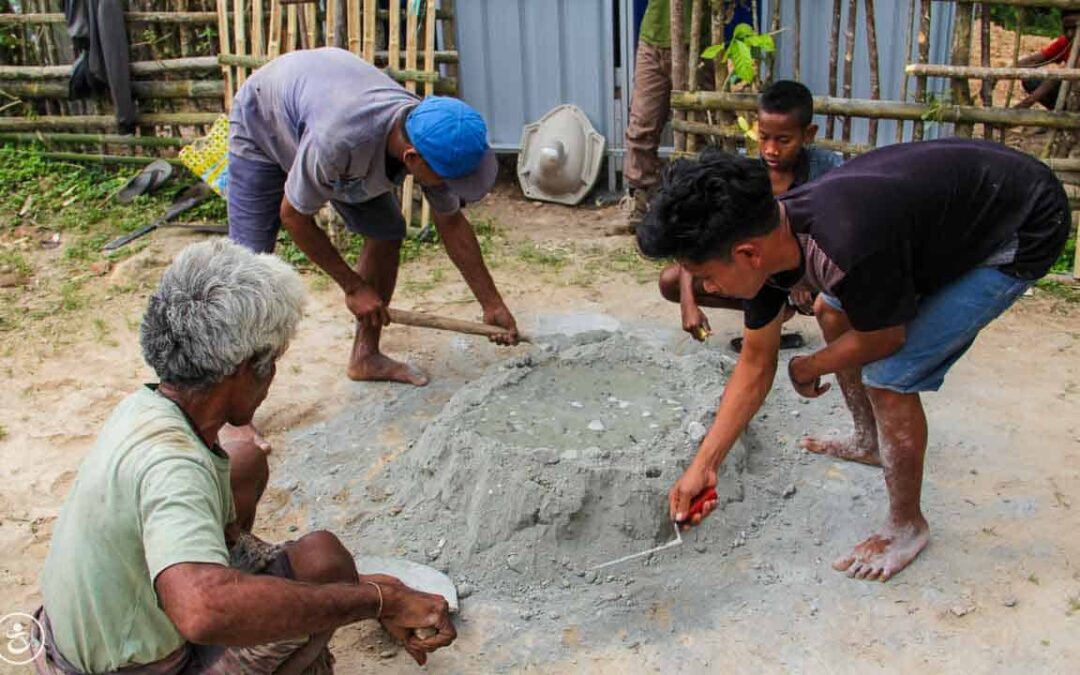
208, 157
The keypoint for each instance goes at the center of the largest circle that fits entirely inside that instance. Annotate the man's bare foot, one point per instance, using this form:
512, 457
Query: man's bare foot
852, 449
382, 368
885, 553
245, 434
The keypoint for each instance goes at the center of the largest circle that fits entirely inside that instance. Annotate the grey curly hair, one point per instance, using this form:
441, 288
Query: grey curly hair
219, 305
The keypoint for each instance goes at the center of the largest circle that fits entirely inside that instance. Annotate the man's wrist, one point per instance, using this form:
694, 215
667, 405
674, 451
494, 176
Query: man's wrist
800, 370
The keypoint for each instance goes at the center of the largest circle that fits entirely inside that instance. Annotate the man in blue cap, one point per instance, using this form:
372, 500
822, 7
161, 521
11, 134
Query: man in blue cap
322, 125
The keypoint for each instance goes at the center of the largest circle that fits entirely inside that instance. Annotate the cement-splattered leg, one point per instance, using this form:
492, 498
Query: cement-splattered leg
902, 427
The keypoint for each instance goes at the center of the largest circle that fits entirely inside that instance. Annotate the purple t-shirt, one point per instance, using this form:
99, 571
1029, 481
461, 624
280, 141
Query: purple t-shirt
898, 223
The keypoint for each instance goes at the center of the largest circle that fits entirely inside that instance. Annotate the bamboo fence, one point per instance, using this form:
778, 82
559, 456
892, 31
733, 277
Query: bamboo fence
957, 107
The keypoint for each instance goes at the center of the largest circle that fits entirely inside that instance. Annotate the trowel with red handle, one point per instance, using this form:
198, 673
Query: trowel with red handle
696, 507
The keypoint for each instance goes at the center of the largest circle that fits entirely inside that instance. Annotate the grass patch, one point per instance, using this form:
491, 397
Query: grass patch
541, 255
13, 262
1064, 264
1061, 291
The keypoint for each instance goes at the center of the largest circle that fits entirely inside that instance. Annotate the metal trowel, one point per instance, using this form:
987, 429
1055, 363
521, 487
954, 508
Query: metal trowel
412, 574
696, 507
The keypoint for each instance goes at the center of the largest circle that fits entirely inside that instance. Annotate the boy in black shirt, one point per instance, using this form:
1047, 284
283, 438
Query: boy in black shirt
914, 249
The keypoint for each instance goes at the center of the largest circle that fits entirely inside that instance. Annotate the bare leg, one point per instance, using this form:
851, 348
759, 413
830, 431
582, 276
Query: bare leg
378, 265
902, 426
862, 445
248, 474
317, 558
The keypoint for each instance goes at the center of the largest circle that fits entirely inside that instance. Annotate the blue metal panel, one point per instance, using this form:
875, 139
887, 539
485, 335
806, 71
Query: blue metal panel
521, 58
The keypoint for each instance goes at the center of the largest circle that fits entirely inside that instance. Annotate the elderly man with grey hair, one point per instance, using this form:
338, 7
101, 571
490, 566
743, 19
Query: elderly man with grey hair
152, 567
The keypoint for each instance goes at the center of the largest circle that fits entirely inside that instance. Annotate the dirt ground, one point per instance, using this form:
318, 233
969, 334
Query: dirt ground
997, 590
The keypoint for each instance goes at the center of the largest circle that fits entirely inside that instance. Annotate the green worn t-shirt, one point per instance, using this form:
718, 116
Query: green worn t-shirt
656, 24
149, 495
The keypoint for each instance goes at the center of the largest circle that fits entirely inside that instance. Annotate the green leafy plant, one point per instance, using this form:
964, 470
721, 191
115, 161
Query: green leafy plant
743, 51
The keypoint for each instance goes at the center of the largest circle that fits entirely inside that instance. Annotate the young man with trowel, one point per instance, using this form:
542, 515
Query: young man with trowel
322, 125
914, 248
786, 133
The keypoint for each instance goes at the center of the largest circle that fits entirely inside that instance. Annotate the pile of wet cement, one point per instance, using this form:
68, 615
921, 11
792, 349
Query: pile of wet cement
560, 460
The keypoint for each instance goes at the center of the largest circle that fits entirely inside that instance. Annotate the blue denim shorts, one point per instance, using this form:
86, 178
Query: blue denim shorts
255, 193
944, 327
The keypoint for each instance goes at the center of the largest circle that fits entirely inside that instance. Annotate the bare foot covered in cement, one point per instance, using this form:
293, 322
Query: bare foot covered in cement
245, 434
885, 553
382, 368
853, 449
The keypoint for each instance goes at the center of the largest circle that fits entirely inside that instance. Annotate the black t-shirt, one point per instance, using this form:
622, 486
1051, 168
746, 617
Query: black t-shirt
900, 222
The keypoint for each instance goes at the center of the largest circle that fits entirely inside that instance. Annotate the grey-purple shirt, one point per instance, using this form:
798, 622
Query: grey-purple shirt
324, 116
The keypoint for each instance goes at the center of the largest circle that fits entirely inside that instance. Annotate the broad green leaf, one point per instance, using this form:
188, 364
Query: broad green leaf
741, 60
712, 51
743, 124
742, 31
763, 42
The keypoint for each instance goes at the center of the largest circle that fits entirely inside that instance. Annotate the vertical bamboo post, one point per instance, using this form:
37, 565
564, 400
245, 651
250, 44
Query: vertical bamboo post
450, 33
258, 15
429, 87
910, 30
697, 12
393, 39
678, 64
834, 46
1063, 96
412, 21
924, 57
875, 79
722, 11
239, 38
311, 24
1021, 15
986, 91
291, 29
370, 7
353, 13
774, 28
796, 56
849, 60
331, 23
273, 46
223, 48
961, 56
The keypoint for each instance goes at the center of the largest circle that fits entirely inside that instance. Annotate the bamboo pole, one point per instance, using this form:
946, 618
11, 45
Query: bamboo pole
961, 55
774, 28
450, 33
444, 86
429, 88
678, 63
38, 18
292, 29
138, 68
721, 13
1063, 97
273, 44
223, 48
411, 25
258, 16
909, 42
239, 39
354, 27
986, 91
989, 73
834, 42
849, 60
1021, 14
95, 139
875, 80
796, 57
393, 38
924, 57
1060, 4
47, 122
144, 90
697, 13
369, 30
734, 132
705, 100
330, 26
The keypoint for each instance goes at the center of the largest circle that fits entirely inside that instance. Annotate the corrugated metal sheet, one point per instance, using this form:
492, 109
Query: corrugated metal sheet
521, 58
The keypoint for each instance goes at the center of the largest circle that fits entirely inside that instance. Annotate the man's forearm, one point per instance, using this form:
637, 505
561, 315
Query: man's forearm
851, 350
743, 396
464, 250
311, 239
237, 609
686, 288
